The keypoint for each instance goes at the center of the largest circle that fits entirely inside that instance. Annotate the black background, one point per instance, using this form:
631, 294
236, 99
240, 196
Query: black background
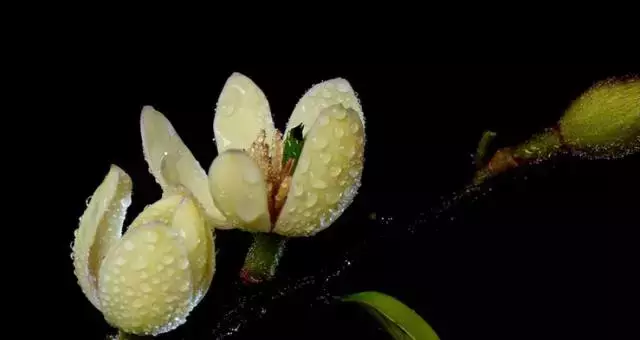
545, 254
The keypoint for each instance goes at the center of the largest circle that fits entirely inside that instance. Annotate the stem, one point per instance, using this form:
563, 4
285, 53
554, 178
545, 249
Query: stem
262, 259
540, 147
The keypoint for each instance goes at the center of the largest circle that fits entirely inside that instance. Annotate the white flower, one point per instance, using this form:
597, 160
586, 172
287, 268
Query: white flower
148, 280
250, 184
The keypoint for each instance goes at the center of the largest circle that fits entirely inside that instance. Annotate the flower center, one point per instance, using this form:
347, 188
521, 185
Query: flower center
277, 175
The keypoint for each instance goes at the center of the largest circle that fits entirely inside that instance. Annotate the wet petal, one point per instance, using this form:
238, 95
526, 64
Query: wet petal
145, 281
242, 112
328, 173
173, 165
198, 241
182, 214
319, 97
239, 189
100, 228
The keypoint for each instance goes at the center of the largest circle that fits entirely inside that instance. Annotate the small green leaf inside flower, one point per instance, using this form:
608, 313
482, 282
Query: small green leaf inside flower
293, 146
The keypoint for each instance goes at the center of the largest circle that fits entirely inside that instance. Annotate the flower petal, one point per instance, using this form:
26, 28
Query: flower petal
173, 165
239, 189
328, 173
242, 112
145, 281
182, 214
100, 227
198, 241
319, 97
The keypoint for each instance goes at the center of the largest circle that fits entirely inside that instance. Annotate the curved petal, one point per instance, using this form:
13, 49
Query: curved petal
240, 190
328, 173
182, 214
318, 98
198, 241
242, 112
100, 228
173, 165
145, 281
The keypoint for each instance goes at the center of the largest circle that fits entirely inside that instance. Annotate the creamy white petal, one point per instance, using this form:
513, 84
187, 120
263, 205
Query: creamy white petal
242, 111
328, 173
239, 190
146, 284
319, 97
182, 214
173, 165
100, 228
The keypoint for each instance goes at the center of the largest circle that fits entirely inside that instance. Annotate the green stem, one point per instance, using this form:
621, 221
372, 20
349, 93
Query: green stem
262, 259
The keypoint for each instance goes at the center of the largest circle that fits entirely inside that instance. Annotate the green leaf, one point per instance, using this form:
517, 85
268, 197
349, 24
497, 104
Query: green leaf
293, 146
400, 321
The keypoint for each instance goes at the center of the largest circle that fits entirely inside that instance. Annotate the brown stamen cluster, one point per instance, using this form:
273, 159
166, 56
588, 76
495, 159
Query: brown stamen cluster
277, 176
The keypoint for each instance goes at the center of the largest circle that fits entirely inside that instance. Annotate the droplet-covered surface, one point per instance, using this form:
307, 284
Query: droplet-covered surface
198, 241
182, 214
161, 211
329, 176
173, 165
242, 111
100, 228
319, 97
147, 288
239, 190
605, 120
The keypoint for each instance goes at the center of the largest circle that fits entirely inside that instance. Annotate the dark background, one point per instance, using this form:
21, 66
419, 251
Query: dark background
544, 252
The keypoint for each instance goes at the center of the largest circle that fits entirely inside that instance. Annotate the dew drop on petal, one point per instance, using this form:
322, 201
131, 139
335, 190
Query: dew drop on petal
312, 198
120, 261
318, 183
335, 171
184, 264
303, 165
325, 157
128, 245
298, 189
145, 288
323, 120
338, 132
167, 259
355, 127
152, 236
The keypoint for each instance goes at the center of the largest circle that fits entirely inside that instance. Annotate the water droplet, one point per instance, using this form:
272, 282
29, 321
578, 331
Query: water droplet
151, 247
326, 93
129, 293
325, 157
342, 86
171, 298
184, 287
184, 264
354, 173
335, 171
332, 197
355, 127
86, 202
312, 198
338, 132
319, 143
137, 303
122, 278
165, 287
160, 268
139, 263
152, 236
128, 245
171, 272
339, 113
107, 278
298, 189
351, 151
120, 261
145, 288
155, 280
318, 184
144, 275
307, 213
303, 165
323, 120
251, 175
168, 259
